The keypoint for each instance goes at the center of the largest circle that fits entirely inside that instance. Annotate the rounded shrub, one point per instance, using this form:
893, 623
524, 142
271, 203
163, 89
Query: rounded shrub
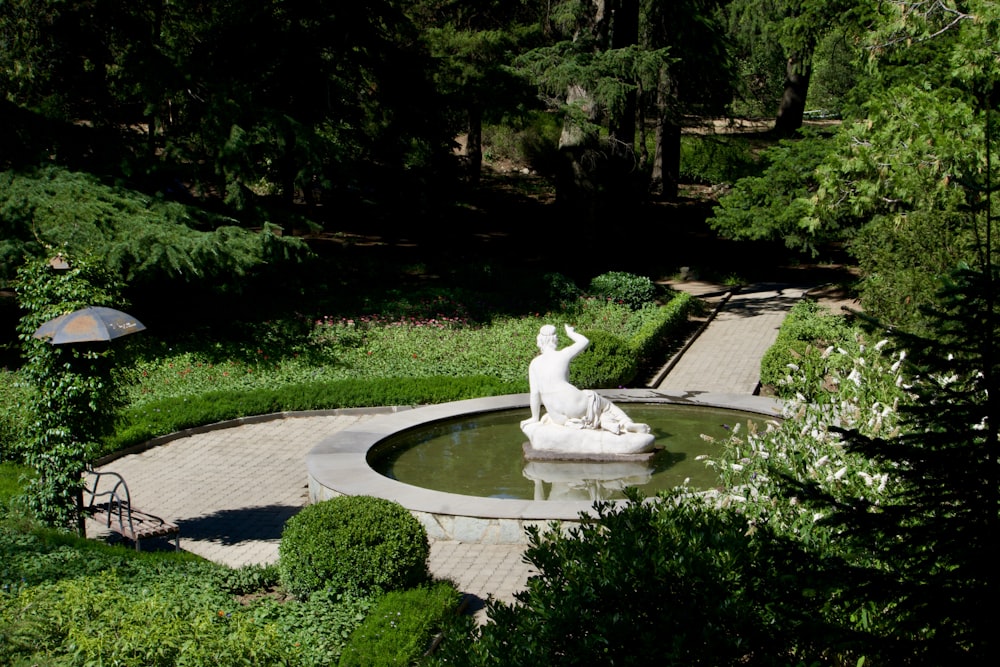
560, 289
356, 544
625, 288
607, 362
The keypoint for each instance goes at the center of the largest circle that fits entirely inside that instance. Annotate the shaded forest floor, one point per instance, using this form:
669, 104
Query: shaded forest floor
512, 221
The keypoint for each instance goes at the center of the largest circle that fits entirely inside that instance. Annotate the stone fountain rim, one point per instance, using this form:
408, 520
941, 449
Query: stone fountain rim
338, 465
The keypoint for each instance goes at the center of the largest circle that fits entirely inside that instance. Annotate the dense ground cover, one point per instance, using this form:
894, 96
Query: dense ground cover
369, 346
70, 601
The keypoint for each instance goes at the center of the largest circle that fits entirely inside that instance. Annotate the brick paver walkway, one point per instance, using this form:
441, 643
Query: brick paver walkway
726, 356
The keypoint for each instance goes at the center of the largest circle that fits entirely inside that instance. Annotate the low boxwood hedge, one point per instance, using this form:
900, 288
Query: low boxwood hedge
401, 627
807, 329
141, 423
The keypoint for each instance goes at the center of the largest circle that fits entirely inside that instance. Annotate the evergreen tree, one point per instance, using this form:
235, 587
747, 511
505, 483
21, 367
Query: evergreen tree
140, 239
238, 98
924, 562
473, 45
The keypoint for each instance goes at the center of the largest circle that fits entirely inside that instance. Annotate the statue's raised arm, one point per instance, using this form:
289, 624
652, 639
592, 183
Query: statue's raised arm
580, 342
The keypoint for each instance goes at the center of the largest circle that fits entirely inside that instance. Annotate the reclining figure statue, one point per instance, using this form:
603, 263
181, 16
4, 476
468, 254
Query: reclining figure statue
571, 412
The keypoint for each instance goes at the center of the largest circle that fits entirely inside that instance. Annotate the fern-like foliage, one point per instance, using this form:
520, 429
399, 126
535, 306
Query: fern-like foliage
140, 237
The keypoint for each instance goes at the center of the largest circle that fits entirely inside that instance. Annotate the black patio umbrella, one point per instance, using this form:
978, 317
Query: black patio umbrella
91, 324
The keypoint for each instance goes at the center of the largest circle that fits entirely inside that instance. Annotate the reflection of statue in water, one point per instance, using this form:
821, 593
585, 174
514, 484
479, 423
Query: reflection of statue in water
586, 480
571, 412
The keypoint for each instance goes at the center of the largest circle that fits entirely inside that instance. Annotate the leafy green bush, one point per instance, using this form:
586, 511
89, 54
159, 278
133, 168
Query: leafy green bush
560, 289
848, 386
716, 159
400, 628
622, 287
607, 362
73, 392
665, 583
357, 544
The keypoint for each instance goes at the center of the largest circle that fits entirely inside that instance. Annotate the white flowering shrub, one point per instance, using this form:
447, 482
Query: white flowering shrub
863, 389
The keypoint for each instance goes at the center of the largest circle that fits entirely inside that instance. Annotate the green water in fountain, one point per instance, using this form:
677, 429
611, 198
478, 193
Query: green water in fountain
481, 455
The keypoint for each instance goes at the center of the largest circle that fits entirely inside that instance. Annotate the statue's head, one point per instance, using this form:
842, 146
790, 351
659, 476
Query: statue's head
546, 338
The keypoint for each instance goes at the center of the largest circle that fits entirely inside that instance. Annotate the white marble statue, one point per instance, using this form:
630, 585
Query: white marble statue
576, 421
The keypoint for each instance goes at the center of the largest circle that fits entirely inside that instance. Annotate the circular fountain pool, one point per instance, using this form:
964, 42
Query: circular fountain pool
495, 513
481, 455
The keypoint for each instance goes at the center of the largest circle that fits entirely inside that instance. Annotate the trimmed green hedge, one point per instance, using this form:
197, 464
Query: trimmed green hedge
401, 627
139, 424
656, 326
607, 362
807, 329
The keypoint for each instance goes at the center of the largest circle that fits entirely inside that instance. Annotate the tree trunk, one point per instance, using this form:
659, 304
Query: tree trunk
153, 119
667, 152
576, 179
597, 177
625, 33
793, 101
640, 121
474, 144
288, 169
666, 161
